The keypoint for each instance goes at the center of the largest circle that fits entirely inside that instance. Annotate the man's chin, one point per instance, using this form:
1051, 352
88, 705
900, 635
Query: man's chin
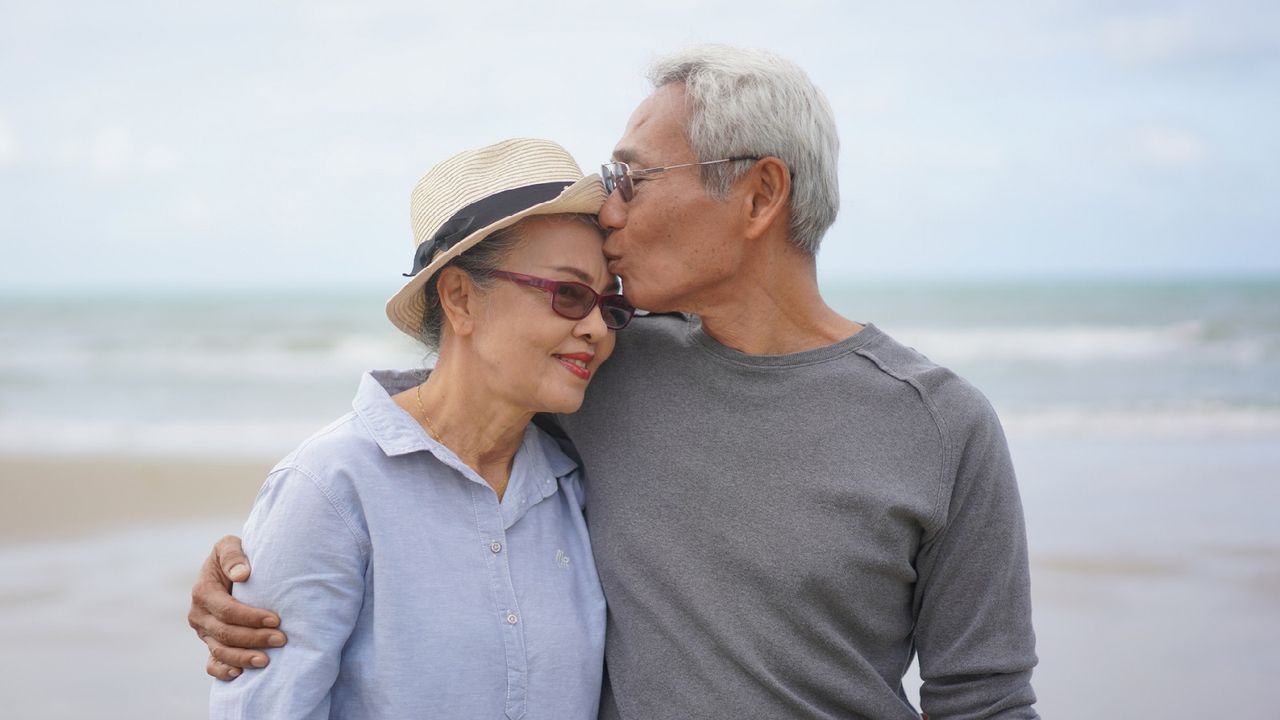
643, 297
643, 302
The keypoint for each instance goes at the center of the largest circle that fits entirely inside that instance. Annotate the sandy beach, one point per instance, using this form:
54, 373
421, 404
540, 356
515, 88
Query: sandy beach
1155, 570
53, 498
97, 557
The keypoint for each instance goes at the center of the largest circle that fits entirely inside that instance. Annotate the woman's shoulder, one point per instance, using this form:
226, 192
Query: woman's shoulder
334, 457
343, 437
320, 479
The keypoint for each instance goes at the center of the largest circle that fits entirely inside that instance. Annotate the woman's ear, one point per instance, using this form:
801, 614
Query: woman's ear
458, 298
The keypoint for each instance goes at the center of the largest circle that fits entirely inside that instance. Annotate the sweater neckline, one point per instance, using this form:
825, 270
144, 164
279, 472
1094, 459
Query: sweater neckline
868, 334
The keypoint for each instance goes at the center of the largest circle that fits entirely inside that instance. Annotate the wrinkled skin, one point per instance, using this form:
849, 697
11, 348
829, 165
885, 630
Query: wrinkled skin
225, 624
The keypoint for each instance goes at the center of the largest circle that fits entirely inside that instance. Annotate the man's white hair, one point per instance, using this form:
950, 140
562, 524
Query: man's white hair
754, 103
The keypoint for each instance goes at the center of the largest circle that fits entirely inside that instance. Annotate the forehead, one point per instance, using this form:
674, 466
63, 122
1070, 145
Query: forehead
558, 238
558, 242
655, 133
539, 233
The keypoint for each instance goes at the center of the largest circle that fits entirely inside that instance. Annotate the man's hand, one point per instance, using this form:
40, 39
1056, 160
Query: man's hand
229, 627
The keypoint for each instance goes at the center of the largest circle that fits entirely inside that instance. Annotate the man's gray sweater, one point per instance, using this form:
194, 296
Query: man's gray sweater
778, 535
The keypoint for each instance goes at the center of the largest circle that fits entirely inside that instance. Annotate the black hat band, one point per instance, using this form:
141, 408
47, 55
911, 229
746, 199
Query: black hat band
482, 213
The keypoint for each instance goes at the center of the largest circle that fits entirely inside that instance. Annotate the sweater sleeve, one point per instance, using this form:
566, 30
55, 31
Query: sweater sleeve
973, 633
309, 564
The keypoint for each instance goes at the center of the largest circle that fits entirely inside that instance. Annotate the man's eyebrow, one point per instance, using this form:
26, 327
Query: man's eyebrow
625, 155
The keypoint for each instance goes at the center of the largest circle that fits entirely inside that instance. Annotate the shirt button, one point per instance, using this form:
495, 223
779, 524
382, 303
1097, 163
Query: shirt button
495, 546
512, 619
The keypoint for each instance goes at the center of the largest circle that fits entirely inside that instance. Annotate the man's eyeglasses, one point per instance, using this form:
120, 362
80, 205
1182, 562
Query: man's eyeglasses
619, 175
574, 300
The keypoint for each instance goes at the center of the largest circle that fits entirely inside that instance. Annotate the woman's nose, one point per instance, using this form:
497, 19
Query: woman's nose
592, 328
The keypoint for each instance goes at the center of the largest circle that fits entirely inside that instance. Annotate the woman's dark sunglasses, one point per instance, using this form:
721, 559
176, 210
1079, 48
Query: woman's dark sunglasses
574, 301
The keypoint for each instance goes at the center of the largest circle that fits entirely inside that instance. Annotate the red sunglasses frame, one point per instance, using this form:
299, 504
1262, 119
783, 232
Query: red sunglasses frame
608, 303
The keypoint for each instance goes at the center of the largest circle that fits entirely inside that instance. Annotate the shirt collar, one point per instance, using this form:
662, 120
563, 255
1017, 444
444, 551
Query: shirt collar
392, 428
398, 433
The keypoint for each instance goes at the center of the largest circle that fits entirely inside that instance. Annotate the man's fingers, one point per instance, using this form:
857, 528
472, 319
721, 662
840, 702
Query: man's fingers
231, 560
245, 638
220, 670
228, 627
227, 610
233, 659
211, 594
215, 669
207, 626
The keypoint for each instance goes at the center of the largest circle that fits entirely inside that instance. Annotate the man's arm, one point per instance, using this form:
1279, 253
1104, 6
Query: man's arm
228, 627
973, 606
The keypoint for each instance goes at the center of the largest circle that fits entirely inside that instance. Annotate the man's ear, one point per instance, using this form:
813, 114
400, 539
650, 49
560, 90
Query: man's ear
458, 300
768, 196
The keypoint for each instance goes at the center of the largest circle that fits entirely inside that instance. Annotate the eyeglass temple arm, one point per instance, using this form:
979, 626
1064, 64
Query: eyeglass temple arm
644, 172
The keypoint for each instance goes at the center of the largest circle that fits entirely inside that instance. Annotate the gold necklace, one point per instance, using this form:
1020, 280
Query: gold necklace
430, 428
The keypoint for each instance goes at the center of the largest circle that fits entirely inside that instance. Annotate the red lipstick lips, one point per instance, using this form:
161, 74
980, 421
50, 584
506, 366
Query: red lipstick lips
576, 363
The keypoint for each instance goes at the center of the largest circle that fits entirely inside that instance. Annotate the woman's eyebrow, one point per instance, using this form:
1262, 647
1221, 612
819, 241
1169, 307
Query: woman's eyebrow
576, 272
613, 286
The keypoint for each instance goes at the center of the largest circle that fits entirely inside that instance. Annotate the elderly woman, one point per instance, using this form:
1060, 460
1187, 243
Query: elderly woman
429, 548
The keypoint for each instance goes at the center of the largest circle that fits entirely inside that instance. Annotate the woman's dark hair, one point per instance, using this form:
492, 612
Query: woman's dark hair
477, 262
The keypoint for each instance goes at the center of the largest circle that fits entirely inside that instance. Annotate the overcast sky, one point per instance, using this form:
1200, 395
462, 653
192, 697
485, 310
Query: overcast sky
264, 143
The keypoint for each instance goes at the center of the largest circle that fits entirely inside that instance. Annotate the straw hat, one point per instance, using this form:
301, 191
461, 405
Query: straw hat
465, 198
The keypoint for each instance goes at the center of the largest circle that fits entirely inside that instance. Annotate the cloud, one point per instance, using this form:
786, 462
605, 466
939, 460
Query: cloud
1151, 38
958, 124
1235, 34
115, 151
8, 143
1170, 148
192, 210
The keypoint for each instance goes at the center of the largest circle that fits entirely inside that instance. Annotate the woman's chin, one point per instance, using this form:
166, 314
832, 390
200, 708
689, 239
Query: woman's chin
564, 402
567, 407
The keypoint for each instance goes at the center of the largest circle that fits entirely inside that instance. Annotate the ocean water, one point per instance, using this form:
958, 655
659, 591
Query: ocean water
240, 374
234, 375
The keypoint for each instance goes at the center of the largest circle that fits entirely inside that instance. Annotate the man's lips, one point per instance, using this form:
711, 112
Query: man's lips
577, 363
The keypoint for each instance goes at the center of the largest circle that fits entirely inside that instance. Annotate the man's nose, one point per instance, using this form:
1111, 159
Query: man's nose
613, 214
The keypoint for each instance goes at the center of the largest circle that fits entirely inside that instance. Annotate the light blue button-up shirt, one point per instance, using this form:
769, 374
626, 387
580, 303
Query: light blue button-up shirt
408, 590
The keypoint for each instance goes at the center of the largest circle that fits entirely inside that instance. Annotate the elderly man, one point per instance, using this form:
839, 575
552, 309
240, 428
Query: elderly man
785, 505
